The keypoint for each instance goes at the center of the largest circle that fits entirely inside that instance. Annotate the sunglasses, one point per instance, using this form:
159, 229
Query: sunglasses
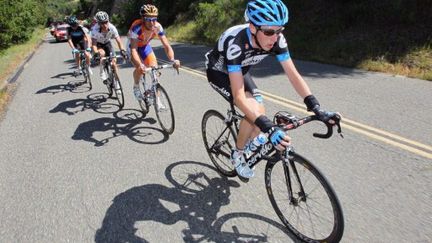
148, 19
105, 22
271, 32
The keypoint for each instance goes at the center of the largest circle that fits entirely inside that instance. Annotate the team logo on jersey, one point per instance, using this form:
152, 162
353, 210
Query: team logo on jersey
253, 60
233, 51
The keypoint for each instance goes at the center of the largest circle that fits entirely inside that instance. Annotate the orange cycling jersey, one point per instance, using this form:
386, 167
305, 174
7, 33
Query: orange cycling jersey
139, 32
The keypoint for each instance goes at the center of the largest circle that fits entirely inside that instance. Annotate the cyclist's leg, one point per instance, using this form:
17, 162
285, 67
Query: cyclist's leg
76, 55
102, 53
148, 58
247, 129
87, 54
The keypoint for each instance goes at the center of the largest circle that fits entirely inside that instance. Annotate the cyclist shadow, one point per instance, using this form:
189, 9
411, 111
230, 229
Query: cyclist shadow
63, 75
197, 199
124, 123
72, 107
72, 86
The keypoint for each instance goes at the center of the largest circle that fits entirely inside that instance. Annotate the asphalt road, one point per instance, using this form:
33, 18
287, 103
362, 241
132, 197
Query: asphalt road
75, 169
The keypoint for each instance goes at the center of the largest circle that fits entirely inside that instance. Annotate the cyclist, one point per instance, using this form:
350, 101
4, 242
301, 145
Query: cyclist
102, 33
228, 64
141, 32
78, 40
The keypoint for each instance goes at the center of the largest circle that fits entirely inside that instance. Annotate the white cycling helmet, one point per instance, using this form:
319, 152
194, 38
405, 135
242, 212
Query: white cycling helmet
101, 16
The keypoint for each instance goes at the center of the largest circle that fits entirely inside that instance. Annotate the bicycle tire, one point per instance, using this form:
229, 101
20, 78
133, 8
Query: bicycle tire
118, 92
219, 139
145, 106
165, 116
291, 212
109, 82
88, 78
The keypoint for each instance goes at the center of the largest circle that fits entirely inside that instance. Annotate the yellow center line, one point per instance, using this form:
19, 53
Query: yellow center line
346, 123
346, 120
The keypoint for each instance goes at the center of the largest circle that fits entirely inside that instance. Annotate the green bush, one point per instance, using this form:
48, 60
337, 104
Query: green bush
18, 19
213, 18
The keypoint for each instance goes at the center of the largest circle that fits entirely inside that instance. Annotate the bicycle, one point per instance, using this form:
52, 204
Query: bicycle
156, 95
112, 83
85, 68
297, 191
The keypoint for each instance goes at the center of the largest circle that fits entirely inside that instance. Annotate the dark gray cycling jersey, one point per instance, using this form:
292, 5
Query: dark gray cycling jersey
234, 51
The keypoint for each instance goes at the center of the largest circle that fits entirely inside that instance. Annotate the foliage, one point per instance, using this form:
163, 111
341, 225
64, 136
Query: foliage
18, 18
213, 18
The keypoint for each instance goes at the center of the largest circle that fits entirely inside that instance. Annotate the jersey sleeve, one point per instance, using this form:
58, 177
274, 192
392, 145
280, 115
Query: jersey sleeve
281, 49
234, 55
134, 30
114, 31
160, 30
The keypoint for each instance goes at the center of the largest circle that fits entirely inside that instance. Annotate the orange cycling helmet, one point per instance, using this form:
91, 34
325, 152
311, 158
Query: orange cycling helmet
149, 10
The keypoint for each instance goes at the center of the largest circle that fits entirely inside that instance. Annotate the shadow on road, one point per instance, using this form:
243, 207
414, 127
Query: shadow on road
72, 86
196, 199
129, 123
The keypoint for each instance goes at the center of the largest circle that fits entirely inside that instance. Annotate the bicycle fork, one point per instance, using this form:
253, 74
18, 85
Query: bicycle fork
287, 161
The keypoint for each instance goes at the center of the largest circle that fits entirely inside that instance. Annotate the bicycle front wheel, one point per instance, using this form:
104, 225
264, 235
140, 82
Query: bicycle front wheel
87, 76
118, 90
219, 139
109, 81
304, 200
164, 110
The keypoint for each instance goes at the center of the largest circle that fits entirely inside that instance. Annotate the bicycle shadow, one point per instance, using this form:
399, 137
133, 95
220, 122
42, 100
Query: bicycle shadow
72, 86
126, 218
72, 107
63, 75
124, 124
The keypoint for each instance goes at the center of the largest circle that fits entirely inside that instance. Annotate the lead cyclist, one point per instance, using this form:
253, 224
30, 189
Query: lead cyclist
228, 63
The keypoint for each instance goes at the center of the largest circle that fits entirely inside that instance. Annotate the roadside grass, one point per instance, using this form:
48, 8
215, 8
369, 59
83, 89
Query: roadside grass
11, 58
379, 51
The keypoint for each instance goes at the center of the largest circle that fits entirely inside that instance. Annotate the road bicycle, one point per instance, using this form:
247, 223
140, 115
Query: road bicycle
112, 83
154, 94
85, 69
299, 193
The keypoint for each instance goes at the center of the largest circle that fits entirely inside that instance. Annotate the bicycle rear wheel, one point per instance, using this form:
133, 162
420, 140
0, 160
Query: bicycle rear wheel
164, 110
118, 90
219, 139
304, 200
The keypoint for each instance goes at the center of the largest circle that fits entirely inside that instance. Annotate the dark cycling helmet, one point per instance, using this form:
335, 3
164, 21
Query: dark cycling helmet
149, 10
101, 16
72, 20
267, 12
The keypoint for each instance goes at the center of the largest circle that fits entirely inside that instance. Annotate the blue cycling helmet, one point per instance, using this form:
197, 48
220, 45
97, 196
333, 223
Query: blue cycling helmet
267, 12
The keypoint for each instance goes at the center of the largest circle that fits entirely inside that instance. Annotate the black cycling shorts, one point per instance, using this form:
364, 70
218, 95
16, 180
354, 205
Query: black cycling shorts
80, 45
107, 47
221, 83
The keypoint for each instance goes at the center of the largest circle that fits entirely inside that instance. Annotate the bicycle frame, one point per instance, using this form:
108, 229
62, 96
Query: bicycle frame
154, 75
266, 151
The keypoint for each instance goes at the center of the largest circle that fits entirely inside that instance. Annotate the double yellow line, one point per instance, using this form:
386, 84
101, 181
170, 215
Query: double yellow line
371, 132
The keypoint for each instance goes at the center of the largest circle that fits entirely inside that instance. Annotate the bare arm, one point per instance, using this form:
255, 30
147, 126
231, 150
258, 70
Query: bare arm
295, 78
167, 47
119, 43
135, 58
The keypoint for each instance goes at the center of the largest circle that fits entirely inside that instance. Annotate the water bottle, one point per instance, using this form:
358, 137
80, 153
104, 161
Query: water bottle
255, 144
